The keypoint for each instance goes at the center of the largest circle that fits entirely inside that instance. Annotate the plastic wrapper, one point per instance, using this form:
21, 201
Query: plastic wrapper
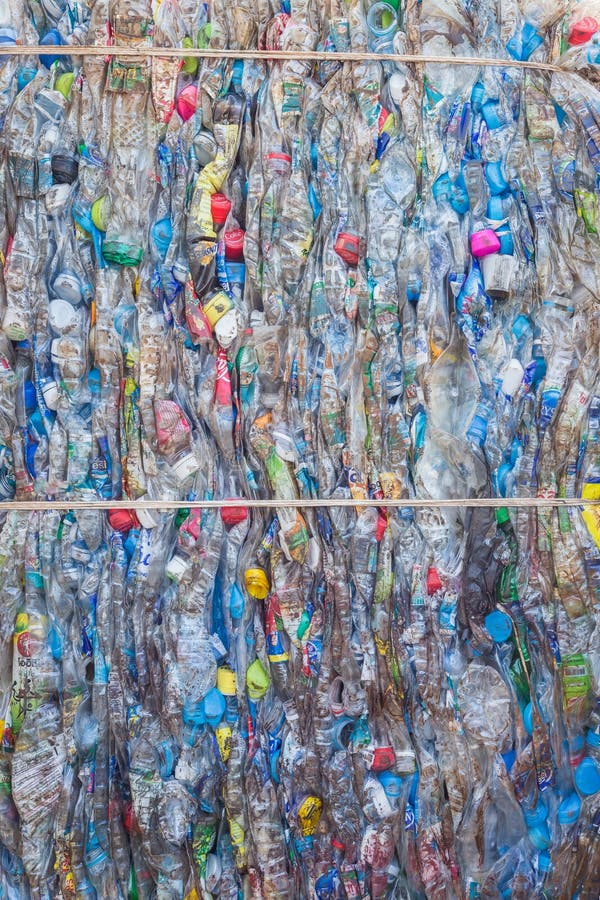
293, 280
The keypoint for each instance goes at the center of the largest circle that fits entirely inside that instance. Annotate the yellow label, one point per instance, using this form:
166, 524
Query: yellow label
390, 485
193, 895
591, 514
237, 834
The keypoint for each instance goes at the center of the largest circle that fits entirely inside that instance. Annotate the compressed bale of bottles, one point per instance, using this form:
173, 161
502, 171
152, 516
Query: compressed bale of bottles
300, 279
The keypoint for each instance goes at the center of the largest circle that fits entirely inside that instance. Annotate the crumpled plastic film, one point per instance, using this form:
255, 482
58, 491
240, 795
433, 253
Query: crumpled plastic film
293, 280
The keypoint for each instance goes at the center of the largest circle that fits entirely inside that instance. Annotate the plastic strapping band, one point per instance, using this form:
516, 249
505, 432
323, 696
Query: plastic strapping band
310, 55
326, 502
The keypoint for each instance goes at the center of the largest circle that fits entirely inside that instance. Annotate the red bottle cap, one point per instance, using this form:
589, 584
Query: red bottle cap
234, 243
347, 247
122, 519
383, 758
233, 515
434, 582
381, 525
219, 208
582, 31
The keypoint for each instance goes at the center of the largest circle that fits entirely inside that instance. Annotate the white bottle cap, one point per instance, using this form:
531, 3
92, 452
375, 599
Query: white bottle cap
68, 287
512, 378
226, 329
50, 394
62, 316
176, 567
148, 518
184, 466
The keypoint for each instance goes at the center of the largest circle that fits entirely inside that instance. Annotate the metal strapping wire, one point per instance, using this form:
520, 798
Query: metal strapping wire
312, 55
326, 502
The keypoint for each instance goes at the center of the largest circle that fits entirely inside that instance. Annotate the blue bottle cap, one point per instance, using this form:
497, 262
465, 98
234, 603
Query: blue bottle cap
528, 718
544, 862
537, 815
491, 110
539, 836
214, 707
495, 179
592, 738
51, 39
498, 625
587, 777
392, 784
569, 809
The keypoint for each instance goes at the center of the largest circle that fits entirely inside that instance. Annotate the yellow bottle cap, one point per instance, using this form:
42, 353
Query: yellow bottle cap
257, 680
226, 681
223, 736
216, 307
101, 213
257, 583
64, 83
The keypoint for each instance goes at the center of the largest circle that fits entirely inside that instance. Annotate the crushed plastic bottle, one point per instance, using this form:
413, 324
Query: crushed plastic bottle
289, 280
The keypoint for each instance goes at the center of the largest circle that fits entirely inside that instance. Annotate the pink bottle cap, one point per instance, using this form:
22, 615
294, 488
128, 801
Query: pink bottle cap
186, 102
484, 242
